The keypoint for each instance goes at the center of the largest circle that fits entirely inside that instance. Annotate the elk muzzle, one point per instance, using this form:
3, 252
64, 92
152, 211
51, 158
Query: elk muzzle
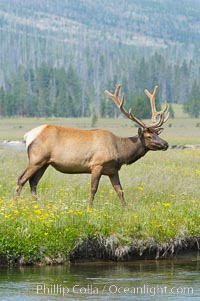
161, 144
165, 145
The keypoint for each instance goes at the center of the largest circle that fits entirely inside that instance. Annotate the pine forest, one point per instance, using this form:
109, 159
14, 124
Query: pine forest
57, 57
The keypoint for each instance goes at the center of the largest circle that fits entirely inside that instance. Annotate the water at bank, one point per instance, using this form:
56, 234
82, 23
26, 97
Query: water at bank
141, 280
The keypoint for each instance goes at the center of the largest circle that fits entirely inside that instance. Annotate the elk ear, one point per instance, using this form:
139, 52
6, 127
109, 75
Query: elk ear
140, 132
159, 131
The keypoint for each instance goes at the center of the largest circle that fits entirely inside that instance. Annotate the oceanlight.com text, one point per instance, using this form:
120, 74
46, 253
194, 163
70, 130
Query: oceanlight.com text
111, 289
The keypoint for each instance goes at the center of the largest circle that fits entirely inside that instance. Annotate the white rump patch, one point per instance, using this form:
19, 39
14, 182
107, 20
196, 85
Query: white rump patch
32, 134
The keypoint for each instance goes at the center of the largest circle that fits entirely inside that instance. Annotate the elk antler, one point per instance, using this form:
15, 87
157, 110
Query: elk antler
119, 103
153, 108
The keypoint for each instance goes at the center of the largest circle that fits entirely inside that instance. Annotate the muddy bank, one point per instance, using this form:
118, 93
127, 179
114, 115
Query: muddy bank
109, 249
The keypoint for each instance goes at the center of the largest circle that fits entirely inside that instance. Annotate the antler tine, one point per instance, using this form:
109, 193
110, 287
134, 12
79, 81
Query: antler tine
114, 96
120, 103
153, 109
152, 101
117, 92
167, 117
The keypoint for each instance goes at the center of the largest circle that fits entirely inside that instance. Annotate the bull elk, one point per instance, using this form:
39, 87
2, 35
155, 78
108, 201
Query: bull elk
98, 152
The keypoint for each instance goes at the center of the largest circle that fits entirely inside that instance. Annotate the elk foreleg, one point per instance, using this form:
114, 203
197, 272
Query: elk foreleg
96, 175
118, 188
35, 178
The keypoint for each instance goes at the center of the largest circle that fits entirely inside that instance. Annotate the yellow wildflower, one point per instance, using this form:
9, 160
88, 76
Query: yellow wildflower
167, 204
197, 171
7, 216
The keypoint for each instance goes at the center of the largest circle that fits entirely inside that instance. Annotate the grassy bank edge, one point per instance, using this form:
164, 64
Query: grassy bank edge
109, 249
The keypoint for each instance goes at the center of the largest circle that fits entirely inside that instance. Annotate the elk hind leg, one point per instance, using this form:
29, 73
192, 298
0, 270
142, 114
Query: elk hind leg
25, 176
35, 178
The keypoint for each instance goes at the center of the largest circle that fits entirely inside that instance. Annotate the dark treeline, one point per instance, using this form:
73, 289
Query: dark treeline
45, 91
52, 91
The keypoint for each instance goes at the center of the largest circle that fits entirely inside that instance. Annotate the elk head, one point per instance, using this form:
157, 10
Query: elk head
148, 133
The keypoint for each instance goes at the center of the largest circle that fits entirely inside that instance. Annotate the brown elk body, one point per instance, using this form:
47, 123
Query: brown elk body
98, 152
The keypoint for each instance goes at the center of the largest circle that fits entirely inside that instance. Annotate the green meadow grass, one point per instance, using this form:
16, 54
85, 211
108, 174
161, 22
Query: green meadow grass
162, 191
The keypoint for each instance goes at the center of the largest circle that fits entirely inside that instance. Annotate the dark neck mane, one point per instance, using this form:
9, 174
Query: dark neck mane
131, 149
